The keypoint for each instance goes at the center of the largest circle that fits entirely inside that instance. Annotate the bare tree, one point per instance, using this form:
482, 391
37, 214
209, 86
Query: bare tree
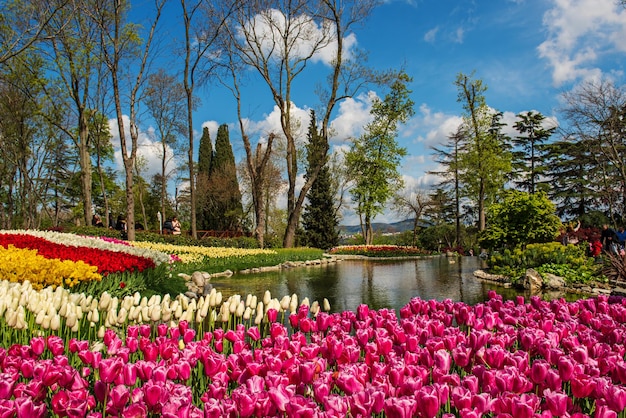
279, 39
203, 22
596, 112
23, 23
73, 42
166, 100
120, 53
412, 203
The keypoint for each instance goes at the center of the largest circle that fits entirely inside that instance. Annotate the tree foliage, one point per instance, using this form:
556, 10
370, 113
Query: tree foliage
319, 220
520, 218
484, 157
374, 157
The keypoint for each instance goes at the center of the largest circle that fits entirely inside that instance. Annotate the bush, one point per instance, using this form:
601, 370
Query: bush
567, 261
520, 219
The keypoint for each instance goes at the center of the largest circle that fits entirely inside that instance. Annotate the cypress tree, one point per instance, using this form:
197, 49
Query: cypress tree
319, 220
205, 162
226, 207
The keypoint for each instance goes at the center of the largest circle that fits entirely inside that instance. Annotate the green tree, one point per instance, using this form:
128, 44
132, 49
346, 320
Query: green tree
448, 157
374, 157
533, 133
205, 159
572, 177
319, 220
225, 207
484, 157
520, 218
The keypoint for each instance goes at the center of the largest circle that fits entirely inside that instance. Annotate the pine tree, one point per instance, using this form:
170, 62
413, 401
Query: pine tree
318, 220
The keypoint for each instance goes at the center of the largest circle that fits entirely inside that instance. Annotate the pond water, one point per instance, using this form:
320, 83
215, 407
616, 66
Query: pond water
379, 284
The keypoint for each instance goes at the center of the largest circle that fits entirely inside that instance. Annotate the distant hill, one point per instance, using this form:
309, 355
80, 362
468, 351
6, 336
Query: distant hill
390, 228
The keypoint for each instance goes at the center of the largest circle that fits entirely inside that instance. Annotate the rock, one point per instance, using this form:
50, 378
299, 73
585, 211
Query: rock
554, 282
191, 295
600, 291
533, 281
198, 279
619, 291
184, 276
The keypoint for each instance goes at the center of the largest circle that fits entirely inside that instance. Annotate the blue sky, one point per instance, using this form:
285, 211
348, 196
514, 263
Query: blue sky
527, 52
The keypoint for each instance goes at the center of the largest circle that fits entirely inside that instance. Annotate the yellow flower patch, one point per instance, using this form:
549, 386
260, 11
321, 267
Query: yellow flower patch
18, 265
189, 253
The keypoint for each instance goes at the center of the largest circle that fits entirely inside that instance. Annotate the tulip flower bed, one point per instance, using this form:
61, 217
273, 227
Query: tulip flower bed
378, 250
499, 359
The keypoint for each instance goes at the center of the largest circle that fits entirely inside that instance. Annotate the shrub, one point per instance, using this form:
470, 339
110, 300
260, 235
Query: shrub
567, 261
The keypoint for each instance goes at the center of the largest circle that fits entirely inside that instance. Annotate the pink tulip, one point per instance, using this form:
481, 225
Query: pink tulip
400, 407
110, 368
281, 396
557, 402
26, 408
272, 315
135, 410
602, 411
37, 345
55, 345
427, 402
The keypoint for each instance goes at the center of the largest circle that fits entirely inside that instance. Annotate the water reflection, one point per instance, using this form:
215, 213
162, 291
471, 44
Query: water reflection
380, 284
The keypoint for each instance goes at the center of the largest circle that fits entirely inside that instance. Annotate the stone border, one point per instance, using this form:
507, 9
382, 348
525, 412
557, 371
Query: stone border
536, 285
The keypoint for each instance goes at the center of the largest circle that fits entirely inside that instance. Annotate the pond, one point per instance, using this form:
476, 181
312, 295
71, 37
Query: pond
379, 284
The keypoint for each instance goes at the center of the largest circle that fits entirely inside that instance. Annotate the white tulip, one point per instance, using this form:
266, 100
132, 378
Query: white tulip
105, 301
45, 324
305, 301
326, 305
284, 303
247, 313
101, 332
267, 297
156, 313
71, 320
248, 299
240, 309
136, 298
122, 316
144, 302
315, 308
253, 301
178, 312
218, 298
39, 318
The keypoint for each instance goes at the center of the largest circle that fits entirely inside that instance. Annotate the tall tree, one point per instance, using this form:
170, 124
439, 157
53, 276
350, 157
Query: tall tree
448, 157
23, 23
279, 39
572, 177
319, 218
166, 100
484, 158
533, 133
73, 43
227, 209
205, 160
203, 22
121, 52
596, 114
374, 157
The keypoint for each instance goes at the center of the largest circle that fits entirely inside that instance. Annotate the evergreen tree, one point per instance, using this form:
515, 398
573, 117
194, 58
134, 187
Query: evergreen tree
205, 160
225, 207
528, 161
319, 220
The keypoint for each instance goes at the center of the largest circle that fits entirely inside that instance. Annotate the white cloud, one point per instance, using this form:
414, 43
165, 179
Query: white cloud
271, 25
431, 34
431, 128
580, 34
353, 115
148, 148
